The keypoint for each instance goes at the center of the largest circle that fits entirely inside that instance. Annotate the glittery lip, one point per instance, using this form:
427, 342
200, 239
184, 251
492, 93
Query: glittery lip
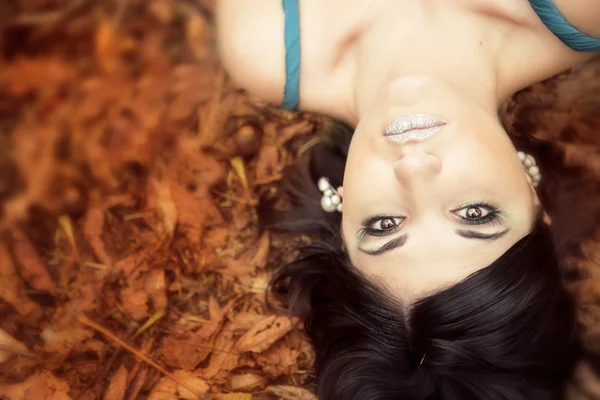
413, 127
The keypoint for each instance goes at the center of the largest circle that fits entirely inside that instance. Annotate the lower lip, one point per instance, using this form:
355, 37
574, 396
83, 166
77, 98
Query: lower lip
413, 128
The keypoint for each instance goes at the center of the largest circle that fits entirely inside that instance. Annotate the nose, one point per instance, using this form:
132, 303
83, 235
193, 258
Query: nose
417, 165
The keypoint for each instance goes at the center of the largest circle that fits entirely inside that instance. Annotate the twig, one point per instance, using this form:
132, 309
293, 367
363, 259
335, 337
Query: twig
11, 349
46, 18
120, 14
86, 321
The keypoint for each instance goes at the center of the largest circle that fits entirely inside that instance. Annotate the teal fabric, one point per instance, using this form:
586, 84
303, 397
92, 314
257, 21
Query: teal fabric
556, 22
546, 10
292, 54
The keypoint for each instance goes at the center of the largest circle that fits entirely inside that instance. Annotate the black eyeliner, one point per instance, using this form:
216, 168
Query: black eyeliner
367, 230
371, 220
495, 215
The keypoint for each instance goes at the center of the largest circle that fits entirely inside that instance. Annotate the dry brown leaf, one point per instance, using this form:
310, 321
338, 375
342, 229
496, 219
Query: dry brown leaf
289, 132
217, 316
160, 198
193, 381
63, 342
262, 254
32, 268
196, 32
233, 396
192, 213
206, 170
162, 10
94, 346
246, 320
137, 384
193, 348
285, 392
247, 382
10, 346
268, 163
155, 286
167, 389
193, 85
264, 334
11, 288
33, 152
185, 353
93, 225
26, 75
40, 386
106, 45
216, 238
133, 262
117, 386
279, 360
225, 358
134, 303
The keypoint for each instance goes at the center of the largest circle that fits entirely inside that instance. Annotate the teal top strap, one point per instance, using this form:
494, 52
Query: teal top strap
291, 94
556, 22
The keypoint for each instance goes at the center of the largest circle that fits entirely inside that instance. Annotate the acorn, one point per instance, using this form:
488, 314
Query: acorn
248, 139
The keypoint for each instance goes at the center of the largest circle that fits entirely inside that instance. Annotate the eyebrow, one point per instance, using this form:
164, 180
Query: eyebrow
467, 234
480, 236
389, 246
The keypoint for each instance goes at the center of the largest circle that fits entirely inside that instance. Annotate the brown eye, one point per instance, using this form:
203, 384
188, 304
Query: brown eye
474, 213
479, 214
386, 224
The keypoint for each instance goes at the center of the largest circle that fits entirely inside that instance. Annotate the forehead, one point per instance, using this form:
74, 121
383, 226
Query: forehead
428, 263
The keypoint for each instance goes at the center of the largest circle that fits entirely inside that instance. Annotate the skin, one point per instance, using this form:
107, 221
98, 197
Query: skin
425, 183
370, 62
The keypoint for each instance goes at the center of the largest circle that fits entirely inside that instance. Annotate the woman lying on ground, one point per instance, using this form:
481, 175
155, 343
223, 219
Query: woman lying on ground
439, 279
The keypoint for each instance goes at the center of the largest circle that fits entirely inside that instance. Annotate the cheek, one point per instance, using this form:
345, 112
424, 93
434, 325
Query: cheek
488, 155
368, 179
365, 175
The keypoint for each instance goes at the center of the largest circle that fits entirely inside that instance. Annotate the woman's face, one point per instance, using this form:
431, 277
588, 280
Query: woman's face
426, 213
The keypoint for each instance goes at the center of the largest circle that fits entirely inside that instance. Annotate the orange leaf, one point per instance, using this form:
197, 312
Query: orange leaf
26, 75
134, 303
264, 334
284, 392
93, 226
11, 288
32, 268
155, 286
41, 385
10, 346
117, 386
106, 46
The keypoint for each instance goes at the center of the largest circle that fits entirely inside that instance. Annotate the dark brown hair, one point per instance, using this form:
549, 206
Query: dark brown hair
486, 337
505, 332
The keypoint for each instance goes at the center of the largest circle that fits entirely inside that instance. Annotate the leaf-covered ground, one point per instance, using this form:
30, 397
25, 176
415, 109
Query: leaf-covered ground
131, 260
132, 264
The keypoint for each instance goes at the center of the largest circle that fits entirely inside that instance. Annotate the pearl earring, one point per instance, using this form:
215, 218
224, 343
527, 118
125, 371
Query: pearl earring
530, 167
331, 200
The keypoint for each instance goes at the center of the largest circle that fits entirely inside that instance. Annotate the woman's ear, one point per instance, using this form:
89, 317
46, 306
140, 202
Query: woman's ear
547, 219
340, 191
537, 203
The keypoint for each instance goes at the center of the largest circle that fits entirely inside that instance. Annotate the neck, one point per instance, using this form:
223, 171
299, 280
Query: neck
488, 57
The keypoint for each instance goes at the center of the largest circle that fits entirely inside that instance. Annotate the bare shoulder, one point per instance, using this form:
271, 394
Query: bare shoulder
250, 37
583, 14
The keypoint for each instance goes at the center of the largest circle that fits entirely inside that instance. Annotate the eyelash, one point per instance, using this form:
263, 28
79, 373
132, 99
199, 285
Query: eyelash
367, 230
495, 216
